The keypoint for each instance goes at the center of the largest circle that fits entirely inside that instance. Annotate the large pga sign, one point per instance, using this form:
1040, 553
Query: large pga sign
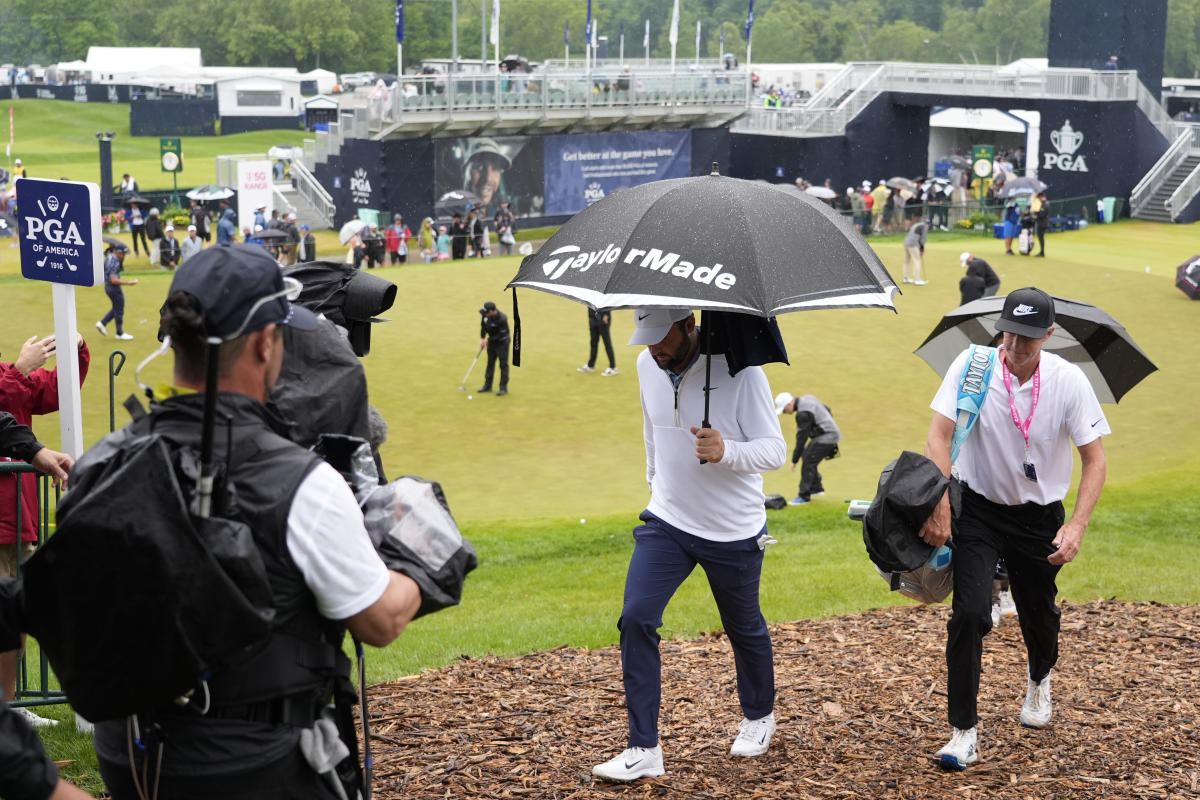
59, 231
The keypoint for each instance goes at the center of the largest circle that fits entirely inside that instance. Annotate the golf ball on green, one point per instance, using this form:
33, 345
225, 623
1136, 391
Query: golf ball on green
469, 397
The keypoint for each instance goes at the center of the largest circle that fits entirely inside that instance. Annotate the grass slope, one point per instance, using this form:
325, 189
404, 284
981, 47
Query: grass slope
56, 139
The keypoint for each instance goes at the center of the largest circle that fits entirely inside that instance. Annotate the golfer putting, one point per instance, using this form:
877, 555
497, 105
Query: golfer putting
709, 514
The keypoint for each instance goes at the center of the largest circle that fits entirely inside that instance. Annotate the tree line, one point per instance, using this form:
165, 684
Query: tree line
357, 35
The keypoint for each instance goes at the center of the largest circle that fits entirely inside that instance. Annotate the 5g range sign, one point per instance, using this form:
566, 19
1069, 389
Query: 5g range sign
60, 235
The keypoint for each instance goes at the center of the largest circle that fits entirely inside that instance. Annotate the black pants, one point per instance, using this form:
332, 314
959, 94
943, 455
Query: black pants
290, 778
497, 351
599, 331
136, 231
1022, 536
1041, 236
810, 478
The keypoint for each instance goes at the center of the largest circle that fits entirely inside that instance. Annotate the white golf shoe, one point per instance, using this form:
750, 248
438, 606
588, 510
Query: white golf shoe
634, 763
961, 751
1038, 709
754, 736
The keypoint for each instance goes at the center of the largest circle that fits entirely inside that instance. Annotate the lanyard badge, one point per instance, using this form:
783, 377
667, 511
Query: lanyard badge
1027, 467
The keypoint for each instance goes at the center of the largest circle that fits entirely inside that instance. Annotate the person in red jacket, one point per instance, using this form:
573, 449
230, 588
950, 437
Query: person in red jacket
397, 237
26, 388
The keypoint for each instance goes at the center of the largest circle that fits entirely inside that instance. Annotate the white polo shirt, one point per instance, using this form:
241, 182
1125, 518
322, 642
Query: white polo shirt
991, 458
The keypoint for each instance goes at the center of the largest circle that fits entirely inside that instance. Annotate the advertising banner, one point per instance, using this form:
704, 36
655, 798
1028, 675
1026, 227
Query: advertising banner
581, 169
484, 171
253, 191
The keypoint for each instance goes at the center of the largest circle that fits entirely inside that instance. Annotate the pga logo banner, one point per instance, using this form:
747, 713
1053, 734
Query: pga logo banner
59, 231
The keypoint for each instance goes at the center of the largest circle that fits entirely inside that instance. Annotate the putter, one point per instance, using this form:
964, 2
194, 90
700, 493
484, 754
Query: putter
462, 387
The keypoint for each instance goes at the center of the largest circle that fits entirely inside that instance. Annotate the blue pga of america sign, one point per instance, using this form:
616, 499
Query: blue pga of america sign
59, 230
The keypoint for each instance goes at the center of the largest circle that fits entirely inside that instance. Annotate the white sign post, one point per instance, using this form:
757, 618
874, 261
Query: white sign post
60, 238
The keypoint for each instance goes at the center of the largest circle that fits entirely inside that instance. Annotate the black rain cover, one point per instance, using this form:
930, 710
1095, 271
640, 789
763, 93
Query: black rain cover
909, 489
134, 599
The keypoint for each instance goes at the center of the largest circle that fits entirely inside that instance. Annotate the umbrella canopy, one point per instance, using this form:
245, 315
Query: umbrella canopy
134, 199
901, 183
350, 230
270, 234
515, 62
1020, 187
821, 192
456, 202
209, 191
116, 243
1187, 277
770, 250
1083, 335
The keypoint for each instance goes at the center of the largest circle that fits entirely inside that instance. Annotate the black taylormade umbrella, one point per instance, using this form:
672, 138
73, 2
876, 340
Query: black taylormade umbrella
1187, 277
458, 201
709, 243
1083, 335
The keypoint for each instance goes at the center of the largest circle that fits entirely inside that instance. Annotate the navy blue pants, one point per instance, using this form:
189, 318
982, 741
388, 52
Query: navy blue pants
117, 312
1021, 535
663, 557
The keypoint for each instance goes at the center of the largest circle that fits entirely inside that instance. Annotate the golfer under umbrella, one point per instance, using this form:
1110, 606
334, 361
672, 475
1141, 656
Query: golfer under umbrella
764, 251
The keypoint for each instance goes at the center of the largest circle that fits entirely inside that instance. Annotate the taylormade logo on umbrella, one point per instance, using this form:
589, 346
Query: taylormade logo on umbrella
668, 263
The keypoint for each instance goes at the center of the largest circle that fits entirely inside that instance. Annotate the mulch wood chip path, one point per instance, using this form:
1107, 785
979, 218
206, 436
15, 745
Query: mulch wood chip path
860, 707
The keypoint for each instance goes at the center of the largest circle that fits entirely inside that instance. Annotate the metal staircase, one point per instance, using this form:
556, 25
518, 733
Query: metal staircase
1156, 206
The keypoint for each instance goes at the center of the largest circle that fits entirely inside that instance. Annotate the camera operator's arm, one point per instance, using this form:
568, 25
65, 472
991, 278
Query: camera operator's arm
329, 543
381, 622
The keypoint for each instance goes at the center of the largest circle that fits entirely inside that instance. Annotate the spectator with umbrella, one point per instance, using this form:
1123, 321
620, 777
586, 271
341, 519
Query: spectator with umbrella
137, 222
1015, 469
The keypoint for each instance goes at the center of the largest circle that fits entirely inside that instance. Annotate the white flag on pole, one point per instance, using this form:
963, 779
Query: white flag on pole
697, 40
673, 36
494, 36
646, 37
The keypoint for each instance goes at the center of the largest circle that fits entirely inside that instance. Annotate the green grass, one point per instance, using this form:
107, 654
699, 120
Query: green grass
56, 139
521, 472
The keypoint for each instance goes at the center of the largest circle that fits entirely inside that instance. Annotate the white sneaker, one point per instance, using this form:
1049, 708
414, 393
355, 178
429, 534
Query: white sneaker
907, 280
634, 763
961, 751
609, 371
125, 337
35, 720
103, 330
1007, 607
585, 368
1038, 709
995, 616
754, 736
919, 283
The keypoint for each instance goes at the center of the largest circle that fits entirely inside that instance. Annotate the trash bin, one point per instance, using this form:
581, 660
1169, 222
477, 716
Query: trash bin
1111, 210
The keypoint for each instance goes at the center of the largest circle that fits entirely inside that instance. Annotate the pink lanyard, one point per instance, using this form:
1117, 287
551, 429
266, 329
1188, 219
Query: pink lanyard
1023, 427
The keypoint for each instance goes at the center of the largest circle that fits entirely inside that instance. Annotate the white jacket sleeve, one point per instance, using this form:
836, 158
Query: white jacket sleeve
648, 437
764, 449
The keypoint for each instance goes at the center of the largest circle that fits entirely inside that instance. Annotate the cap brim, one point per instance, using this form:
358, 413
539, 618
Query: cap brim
1028, 331
650, 335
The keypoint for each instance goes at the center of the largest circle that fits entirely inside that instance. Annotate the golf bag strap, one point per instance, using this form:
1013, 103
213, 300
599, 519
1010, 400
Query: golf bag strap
972, 391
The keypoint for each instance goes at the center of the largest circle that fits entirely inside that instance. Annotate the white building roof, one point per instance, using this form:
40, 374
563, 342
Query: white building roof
144, 59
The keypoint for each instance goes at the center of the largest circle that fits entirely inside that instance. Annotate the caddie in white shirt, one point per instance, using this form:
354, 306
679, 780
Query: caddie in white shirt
709, 514
1015, 467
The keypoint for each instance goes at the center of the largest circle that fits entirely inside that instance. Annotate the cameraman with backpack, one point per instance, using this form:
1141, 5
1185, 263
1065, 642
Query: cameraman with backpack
259, 727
